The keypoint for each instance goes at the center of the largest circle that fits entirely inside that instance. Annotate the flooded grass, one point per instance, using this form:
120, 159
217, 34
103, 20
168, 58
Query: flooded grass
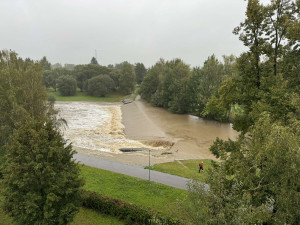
133, 190
184, 168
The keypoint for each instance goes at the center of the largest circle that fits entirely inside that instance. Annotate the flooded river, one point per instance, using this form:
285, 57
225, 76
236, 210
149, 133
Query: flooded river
101, 129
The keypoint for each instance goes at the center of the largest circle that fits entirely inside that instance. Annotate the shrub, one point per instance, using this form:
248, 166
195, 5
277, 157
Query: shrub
130, 213
100, 85
66, 85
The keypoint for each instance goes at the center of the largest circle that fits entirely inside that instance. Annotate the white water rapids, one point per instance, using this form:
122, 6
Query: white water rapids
95, 126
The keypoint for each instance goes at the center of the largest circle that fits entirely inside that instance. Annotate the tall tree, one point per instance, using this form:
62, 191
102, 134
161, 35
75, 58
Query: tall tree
45, 63
210, 78
279, 14
41, 181
127, 79
140, 72
94, 61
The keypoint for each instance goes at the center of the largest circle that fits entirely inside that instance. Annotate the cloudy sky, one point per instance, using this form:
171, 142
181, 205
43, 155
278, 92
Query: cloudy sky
69, 31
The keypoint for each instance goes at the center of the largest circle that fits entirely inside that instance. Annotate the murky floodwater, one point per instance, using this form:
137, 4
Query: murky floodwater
100, 128
192, 135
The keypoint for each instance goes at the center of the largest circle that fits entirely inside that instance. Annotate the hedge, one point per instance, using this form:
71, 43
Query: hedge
130, 213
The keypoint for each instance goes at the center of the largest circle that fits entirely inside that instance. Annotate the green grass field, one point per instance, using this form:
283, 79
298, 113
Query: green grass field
82, 96
184, 168
133, 190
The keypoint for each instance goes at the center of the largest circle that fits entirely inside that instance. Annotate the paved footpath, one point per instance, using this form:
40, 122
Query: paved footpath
134, 171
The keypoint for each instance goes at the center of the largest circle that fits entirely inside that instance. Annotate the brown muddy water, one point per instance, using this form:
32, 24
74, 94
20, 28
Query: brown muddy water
100, 129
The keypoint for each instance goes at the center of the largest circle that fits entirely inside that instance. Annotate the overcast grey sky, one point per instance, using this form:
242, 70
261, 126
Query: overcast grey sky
69, 31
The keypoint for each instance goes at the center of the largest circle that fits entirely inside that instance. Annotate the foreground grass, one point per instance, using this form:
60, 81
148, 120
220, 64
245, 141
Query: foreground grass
82, 96
91, 217
133, 190
184, 168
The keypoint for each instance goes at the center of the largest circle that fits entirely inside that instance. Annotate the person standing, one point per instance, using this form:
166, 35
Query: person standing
200, 166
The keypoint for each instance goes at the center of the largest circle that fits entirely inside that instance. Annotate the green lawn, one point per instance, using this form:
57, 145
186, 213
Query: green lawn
82, 96
133, 190
184, 168
91, 217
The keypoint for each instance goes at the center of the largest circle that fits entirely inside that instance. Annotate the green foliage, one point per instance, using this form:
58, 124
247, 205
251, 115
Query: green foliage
115, 75
50, 77
256, 183
94, 61
41, 183
100, 85
140, 72
45, 64
85, 72
127, 79
66, 85
21, 93
130, 213
259, 175
166, 85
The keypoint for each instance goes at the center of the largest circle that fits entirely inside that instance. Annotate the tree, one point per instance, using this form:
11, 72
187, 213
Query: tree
140, 72
85, 72
100, 85
45, 64
42, 184
256, 182
94, 61
21, 93
115, 75
66, 85
41, 181
127, 79
210, 78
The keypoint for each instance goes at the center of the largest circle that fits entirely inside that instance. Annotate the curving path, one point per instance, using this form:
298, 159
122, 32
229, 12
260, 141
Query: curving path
134, 171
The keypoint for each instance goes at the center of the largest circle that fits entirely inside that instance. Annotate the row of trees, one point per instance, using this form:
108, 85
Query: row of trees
39, 181
177, 87
257, 180
94, 79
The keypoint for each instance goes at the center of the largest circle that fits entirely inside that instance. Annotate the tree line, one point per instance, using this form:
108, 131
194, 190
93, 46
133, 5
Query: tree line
94, 79
175, 86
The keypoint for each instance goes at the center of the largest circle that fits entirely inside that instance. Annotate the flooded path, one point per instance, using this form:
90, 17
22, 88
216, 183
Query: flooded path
100, 129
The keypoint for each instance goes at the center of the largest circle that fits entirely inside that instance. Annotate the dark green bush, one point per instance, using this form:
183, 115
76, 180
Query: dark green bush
130, 213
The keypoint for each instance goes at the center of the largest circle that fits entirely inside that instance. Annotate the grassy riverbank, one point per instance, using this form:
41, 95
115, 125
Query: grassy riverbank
82, 96
184, 168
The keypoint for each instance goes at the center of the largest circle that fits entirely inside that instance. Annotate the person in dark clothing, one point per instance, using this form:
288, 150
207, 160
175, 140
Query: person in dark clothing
200, 166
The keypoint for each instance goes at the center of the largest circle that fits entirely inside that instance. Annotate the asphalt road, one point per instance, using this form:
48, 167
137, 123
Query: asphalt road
134, 171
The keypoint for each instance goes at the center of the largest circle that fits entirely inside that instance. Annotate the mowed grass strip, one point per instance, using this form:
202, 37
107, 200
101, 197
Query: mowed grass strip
184, 168
132, 190
91, 217
82, 96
